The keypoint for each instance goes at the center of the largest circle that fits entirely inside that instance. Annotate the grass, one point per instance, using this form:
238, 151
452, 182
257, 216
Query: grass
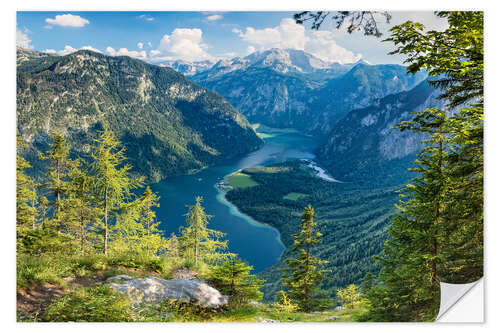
266, 170
241, 180
266, 132
294, 196
94, 304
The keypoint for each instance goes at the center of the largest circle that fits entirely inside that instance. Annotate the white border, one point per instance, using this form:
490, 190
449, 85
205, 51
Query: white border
7, 132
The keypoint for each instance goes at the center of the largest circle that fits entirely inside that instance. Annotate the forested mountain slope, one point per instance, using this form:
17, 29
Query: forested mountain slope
167, 124
363, 144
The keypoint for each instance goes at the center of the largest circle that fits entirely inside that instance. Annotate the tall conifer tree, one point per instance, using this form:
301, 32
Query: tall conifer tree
25, 192
198, 242
113, 182
303, 276
57, 181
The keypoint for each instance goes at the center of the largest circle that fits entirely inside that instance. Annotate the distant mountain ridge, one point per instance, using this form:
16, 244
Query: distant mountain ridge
168, 124
291, 88
363, 144
188, 68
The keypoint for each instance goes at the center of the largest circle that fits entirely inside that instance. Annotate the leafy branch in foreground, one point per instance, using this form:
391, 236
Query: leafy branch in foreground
365, 21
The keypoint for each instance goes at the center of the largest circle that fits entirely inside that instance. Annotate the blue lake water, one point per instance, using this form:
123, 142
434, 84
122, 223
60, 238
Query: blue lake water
256, 243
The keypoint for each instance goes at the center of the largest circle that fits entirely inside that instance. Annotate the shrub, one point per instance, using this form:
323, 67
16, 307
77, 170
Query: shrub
42, 269
86, 265
43, 241
95, 304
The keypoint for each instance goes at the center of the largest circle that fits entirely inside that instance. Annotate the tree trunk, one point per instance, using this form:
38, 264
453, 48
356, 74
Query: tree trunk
196, 243
106, 221
33, 222
82, 232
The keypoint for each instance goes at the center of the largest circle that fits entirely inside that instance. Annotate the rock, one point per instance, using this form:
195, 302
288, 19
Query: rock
154, 290
185, 274
338, 308
333, 318
118, 278
266, 320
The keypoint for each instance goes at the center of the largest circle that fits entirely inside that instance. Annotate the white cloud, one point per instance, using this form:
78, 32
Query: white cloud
125, 52
251, 49
183, 43
146, 17
322, 45
214, 17
140, 45
154, 53
23, 40
69, 49
68, 20
90, 48
150, 44
287, 35
294, 36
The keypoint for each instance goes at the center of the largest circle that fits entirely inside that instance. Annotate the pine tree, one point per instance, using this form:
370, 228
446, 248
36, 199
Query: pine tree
233, 278
147, 214
438, 233
25, 193
303, 276
57, 181
462, 244
136, 230
199, 243
80, 211
113, 182
412, 256
350, 296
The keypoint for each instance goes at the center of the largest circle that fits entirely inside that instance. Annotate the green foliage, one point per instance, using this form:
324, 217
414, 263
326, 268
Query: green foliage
303, 276
41, 269
95, 304
112, 180
437, 234
44, 240
25, 192
198, 243
57, 177
350, 296
233, 278
284, 304
80, 211
456, 54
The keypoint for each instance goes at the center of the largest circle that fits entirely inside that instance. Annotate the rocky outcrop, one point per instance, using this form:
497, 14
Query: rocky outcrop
154, 290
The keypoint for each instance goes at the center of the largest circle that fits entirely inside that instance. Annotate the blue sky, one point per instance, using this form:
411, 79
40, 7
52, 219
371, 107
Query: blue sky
194, 36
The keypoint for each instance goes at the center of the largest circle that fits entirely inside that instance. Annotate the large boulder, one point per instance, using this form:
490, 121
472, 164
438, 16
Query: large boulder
154, 290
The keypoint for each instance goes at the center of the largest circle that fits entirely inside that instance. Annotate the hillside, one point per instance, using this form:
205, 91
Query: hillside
168, 124
363, 144
352, 217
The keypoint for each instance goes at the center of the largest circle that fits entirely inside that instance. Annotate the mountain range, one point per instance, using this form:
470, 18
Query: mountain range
294, 89
167, 124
